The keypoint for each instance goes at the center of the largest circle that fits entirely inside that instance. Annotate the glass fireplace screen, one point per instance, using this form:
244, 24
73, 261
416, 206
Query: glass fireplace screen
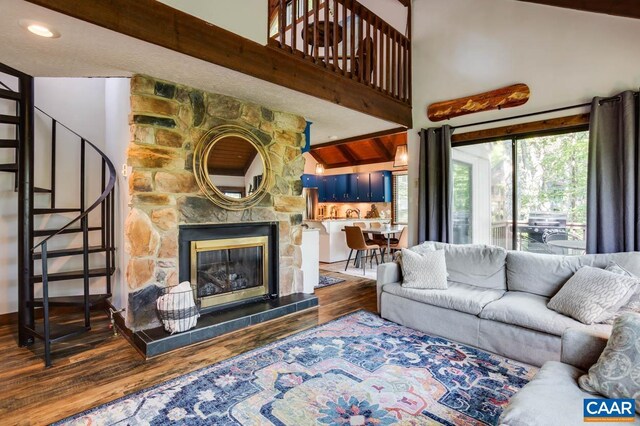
229, 270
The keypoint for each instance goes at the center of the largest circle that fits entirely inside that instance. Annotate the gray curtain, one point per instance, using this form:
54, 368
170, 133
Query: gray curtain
613, 197
436, 188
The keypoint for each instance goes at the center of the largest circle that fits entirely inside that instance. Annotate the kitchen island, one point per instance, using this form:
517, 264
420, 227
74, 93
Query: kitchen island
333, 242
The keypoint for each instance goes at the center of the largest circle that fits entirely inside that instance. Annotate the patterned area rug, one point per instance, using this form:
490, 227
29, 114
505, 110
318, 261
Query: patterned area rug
356, 370
326, 281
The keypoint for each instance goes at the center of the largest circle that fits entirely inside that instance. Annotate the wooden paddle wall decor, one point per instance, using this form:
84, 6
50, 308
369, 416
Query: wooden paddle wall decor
506, 97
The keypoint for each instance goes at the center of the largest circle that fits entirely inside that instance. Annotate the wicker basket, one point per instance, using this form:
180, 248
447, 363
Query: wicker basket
177, 307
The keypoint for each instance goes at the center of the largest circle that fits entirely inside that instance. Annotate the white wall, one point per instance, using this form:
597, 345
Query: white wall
117, 110
80, 104
247, 18
310, 167
463, 47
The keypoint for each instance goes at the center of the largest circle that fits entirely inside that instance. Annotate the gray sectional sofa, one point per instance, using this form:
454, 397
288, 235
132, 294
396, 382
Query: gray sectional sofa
496, 300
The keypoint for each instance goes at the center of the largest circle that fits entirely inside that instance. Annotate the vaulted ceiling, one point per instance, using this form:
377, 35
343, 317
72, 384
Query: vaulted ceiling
371, 150
627, 8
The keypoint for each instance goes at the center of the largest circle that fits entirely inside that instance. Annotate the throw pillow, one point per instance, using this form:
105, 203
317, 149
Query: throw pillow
617, 372
178, 308
426, 270
593, 295
633, 305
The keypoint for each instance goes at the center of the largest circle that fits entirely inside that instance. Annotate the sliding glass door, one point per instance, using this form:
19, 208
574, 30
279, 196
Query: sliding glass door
524, 193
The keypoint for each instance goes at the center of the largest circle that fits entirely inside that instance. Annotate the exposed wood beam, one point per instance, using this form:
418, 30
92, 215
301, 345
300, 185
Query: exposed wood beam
405, 3
317, 156
346, 153
159, 24
562, 123
393, 131
626, 8
381, 149
348, 164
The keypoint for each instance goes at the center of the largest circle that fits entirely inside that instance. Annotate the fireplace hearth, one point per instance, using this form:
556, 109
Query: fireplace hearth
235, 268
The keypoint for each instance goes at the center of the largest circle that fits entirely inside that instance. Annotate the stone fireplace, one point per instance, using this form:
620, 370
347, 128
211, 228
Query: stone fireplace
167, 121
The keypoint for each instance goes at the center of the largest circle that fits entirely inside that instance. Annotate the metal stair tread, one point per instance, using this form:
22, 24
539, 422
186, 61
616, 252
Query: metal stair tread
73, 275
94, 299
69, 252
47, 232
9, 94
56, 210
8, 143
9, 119
9, 167
58, 331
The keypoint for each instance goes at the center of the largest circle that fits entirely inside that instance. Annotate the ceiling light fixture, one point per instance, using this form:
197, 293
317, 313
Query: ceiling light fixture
319, 168
402, 156
39, 29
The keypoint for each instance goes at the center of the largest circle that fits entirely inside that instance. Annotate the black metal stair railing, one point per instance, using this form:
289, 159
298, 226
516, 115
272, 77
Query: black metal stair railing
106, 203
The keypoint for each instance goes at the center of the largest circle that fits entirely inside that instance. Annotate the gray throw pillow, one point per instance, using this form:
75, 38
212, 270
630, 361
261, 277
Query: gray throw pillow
593, 295
633, 304
617, 372
426, 270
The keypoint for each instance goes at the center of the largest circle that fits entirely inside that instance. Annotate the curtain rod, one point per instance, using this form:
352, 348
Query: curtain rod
522, 116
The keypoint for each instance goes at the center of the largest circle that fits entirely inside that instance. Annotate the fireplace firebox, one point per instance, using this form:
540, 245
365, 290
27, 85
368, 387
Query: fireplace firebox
230, 264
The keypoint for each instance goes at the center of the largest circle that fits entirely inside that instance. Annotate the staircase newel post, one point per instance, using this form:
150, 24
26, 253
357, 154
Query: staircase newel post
25, 212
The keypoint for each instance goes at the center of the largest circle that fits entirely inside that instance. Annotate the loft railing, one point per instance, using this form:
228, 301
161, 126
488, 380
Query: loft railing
346, 38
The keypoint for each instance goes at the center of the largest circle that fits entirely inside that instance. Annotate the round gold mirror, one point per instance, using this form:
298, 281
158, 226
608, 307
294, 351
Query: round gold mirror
232, 167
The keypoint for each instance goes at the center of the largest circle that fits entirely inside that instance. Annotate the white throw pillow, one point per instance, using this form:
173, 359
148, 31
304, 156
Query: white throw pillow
178, 308
633, 304
593, 295
426, 270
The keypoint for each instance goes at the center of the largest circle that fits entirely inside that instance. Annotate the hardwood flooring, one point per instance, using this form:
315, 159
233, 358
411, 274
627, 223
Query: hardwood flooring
100, 367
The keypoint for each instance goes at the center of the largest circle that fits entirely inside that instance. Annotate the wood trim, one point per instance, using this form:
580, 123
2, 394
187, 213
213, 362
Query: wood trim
561, 123
159, 24
626, 8
393, 131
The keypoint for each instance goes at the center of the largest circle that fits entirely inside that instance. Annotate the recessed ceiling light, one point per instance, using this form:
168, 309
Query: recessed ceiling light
39, 29
333, 138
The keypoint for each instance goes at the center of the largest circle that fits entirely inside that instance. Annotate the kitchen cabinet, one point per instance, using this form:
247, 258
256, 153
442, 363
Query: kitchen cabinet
309, 181
372, 187
380, 187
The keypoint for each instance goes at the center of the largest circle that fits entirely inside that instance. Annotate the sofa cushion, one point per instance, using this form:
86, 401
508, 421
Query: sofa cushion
478, 265
460, 297
424, 270
544, 274
593, 295
551, 398
530, 311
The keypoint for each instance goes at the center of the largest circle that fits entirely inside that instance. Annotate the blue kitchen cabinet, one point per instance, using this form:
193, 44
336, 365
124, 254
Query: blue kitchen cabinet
380, 187
364, 188
322, 193
309, 181
330, 188
342, 183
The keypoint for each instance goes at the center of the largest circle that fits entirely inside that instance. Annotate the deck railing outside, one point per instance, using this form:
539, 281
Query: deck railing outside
502, 234
345, 37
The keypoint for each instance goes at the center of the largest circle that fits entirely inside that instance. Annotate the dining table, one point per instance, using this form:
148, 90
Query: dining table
385, 231
578, 245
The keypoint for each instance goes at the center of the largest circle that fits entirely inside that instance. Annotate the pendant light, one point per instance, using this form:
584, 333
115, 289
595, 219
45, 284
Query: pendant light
319, 168
402, 156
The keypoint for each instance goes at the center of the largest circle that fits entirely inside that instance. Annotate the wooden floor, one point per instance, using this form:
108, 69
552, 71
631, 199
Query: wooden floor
103, 367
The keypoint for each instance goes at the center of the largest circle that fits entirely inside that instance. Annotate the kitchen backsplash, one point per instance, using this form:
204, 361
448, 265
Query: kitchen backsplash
341, 209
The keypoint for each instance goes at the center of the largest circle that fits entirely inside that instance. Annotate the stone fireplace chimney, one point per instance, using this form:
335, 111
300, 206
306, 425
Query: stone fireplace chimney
167, 121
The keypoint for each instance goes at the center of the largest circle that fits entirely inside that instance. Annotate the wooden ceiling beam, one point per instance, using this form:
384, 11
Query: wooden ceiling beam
388, 132
625, 8
156, 23
381, 149
346, 153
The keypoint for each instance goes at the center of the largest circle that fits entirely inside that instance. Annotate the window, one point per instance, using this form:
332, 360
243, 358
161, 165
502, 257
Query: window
401, 199
524, 193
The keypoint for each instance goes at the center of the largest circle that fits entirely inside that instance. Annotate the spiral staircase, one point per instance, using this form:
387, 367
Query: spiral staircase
39, 244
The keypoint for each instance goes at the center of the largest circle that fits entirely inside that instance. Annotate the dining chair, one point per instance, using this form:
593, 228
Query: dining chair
356, 241
367, 237
401, 242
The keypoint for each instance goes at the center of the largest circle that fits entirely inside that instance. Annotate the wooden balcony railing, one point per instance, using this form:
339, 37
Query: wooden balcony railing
346, 38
